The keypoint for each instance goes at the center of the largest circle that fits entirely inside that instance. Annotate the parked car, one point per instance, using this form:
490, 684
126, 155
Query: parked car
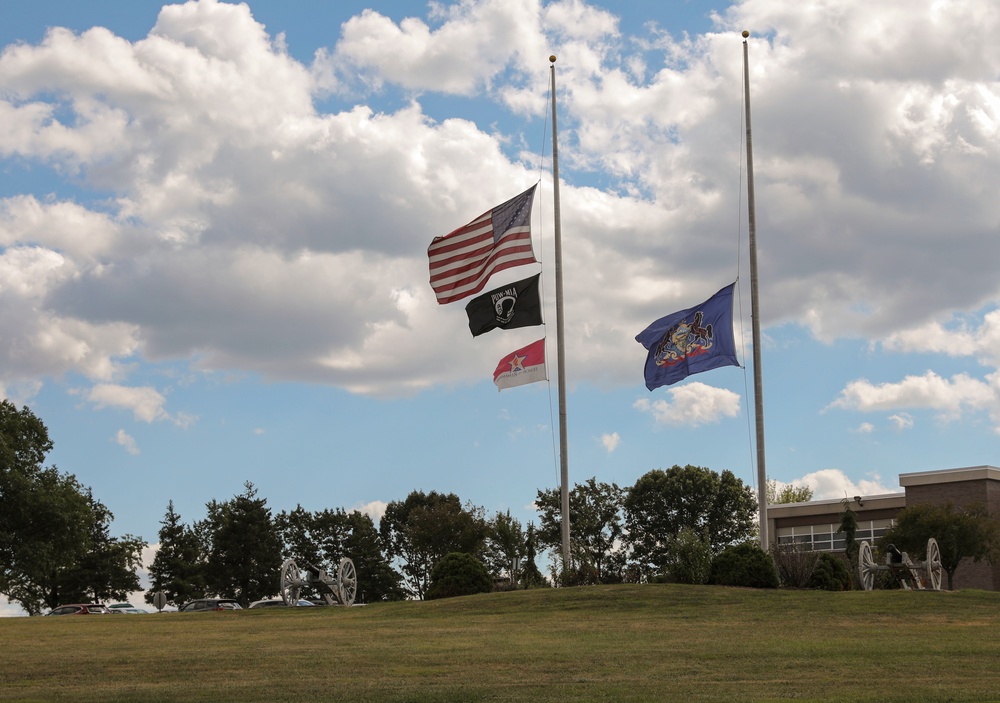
275, 603
202, 605
126, 608
80, 609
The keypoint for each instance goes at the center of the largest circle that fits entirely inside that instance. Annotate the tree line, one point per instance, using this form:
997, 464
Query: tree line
56, 546
617, 535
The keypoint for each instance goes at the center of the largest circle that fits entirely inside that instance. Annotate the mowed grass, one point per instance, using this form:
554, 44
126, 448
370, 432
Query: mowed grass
604, 643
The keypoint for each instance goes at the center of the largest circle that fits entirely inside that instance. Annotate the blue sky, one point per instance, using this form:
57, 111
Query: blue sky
214, 219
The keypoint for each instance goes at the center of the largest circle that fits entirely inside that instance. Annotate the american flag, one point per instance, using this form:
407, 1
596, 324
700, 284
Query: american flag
462, 262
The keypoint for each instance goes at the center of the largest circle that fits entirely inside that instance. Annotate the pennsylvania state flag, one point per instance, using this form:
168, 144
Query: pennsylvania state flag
690, 341
507, 307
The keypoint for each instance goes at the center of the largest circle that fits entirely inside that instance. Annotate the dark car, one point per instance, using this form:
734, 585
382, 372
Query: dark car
204, 605
80, 609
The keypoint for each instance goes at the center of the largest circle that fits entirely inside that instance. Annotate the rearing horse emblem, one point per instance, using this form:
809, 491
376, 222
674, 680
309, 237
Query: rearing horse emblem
683, 340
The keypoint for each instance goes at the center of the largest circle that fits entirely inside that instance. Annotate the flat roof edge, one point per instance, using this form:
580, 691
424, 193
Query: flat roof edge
825, 507
970, 473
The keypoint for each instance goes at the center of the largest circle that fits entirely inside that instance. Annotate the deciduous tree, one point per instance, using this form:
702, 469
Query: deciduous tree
789, 493
505, 547
106, 570
55, 544
967, 532
595, 530
323, 538
662, 503
424, 528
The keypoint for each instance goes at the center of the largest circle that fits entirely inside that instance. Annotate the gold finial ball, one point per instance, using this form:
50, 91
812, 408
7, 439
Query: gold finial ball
552, 58
745, 34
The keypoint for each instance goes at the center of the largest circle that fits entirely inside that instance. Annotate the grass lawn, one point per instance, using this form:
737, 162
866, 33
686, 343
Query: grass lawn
603, 643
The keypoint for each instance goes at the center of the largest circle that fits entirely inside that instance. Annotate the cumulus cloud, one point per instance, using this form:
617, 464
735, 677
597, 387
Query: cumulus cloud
145, 403
374, 509
223, 219
958, 339
451, 57
691, 405
950, 397
828, 484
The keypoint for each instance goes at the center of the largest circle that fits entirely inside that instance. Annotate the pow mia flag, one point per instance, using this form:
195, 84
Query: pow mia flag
507, 307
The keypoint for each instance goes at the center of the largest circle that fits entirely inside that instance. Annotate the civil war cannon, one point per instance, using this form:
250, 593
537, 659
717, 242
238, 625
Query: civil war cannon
920, 575
343, 585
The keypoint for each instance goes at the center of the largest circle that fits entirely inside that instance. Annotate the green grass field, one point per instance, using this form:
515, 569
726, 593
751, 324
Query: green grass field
607, 643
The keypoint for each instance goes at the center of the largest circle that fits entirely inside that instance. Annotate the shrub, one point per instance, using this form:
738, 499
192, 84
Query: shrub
459, 574
794, 563
831, 574
744, 565
690, 557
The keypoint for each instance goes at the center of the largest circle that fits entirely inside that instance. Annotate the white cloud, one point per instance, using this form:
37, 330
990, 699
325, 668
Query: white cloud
610, 441
902, 421
691, 405
949, 397
957, 340
374, 509
452, 58
146, 403
127, 441
866, 428
247, 230
827, 484
10, 610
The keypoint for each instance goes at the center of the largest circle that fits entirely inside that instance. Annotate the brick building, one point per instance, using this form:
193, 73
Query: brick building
814, 523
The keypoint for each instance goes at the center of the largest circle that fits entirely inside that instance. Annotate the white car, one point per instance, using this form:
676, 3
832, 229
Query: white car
275, 603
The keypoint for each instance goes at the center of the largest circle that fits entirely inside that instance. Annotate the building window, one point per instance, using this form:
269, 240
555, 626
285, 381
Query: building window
825, 538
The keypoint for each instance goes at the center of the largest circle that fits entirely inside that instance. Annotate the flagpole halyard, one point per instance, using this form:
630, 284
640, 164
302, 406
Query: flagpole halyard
560, 350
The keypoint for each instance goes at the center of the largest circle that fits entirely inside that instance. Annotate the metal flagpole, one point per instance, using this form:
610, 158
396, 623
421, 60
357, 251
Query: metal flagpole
755, 315
560, 351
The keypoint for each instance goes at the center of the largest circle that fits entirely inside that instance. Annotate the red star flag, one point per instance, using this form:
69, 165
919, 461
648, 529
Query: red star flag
526, 365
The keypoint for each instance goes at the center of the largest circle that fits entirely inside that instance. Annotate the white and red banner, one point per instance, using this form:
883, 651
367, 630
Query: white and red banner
526, 365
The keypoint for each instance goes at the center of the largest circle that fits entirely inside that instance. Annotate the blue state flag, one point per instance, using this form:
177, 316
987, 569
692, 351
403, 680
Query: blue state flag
690, 341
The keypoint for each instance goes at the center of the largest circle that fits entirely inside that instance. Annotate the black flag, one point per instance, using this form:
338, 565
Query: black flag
507, 307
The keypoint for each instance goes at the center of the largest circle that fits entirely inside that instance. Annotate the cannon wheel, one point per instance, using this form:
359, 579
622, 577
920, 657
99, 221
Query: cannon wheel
866, 566
291, 583
347, 582
933, 565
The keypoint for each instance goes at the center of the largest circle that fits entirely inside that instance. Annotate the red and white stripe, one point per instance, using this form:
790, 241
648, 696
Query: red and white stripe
462, 262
